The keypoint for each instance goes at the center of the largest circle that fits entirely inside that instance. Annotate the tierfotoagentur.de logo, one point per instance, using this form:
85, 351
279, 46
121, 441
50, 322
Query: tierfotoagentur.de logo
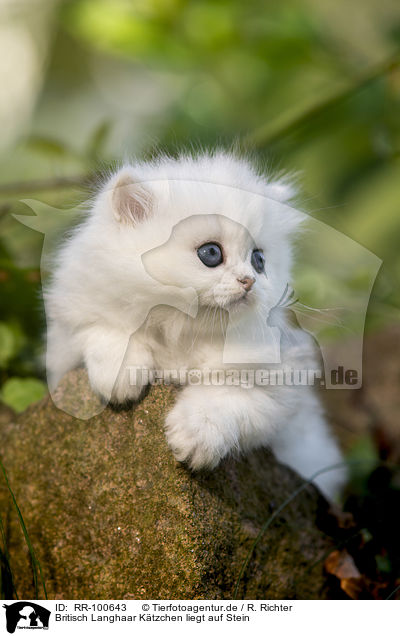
26, 615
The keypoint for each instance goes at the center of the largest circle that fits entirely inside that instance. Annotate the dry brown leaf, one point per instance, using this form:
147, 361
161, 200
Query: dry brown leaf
341, 565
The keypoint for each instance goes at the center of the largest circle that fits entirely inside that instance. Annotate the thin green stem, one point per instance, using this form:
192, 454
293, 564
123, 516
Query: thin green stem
286, 502
7, 557
35, 562
396, 589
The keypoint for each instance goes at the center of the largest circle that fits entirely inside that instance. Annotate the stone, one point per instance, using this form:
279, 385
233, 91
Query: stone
112, 515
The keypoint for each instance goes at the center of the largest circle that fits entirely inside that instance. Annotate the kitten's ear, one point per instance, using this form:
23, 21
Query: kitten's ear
290, 218
130, 200
281, 190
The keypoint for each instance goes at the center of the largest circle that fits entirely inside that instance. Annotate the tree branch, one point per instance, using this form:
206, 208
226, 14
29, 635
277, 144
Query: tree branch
258, 139
265, 135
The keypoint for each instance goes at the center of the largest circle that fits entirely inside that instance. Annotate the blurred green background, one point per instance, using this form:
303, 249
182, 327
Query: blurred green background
311, 86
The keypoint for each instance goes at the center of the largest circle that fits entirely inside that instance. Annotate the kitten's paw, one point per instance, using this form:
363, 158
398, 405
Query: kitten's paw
114, 362
114, 387
198, 435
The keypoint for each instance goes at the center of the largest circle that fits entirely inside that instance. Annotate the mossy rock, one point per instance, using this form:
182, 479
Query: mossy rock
112, 515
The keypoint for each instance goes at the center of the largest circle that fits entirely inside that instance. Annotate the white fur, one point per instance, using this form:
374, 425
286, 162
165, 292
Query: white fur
129, 289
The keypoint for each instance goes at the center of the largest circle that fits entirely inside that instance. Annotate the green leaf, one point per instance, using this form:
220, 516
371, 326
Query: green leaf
19, 393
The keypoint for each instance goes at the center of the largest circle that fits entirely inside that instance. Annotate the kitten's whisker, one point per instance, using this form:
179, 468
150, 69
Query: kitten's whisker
210, 320
336, 321
188, 316
203, 320
289, 304
193, 331
282, 298
215, 314
221, 323
226, 318
321, 310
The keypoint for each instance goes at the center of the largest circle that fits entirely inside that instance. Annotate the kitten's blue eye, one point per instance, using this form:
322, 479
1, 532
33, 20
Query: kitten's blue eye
258, 261
210, 254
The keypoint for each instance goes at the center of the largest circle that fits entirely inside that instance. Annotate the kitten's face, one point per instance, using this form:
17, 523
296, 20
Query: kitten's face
218, 258
228, 244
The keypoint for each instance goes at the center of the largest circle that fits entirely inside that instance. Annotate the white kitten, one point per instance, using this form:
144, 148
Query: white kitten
174, 259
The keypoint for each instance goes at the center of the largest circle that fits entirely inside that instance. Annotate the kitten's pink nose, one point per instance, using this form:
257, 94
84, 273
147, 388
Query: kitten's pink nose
247, 282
